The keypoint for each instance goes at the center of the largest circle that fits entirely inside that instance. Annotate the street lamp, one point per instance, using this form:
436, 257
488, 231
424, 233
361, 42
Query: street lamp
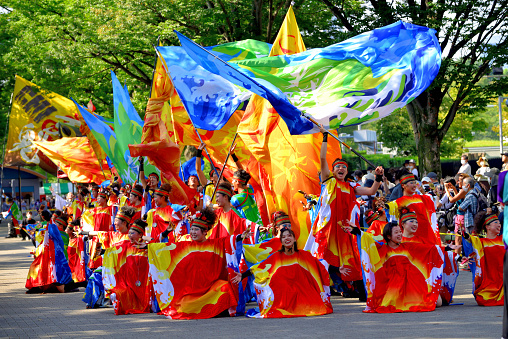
501, 123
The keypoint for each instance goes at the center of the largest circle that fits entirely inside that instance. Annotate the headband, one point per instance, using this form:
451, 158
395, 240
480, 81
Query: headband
407, 216
160, 192
339, 161
139, 194
153, 174
371, 217
138, 228
123, 217
102, 194
200, 223
281, 219
490, 219
61, 221
70, 227
407, 178
240, 180
224, 191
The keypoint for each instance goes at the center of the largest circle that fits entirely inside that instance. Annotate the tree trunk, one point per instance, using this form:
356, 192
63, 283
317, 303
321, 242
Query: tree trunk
423, 113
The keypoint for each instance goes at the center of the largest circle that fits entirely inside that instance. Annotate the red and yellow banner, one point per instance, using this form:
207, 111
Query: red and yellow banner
76, 158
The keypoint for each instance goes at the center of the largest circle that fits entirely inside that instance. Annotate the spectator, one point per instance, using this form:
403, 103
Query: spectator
504, 159
412, 168
484, 166
357, 176
470, 204
433, 177
465, 167
27, 221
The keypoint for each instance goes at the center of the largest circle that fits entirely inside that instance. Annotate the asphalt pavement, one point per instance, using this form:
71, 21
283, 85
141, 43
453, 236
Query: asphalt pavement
64, 315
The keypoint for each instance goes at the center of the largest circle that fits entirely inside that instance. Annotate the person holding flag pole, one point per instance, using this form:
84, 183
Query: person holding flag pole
330, 242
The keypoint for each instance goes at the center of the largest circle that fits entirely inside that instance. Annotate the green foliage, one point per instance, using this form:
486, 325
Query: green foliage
395, 132
69, 46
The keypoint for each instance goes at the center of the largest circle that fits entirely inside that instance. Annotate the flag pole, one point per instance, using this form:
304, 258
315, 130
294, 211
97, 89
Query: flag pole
192, 122
342, 142
224, 167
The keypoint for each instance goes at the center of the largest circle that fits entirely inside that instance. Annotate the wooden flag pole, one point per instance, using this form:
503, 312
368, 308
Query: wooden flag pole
342, 142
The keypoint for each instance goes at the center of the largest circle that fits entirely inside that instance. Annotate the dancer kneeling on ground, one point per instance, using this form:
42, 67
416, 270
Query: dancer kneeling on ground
290, 283
125, 273
191, 279
50, 269
486, 259
399, 277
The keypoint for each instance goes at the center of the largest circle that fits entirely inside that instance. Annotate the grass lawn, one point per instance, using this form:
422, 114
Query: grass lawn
483, 143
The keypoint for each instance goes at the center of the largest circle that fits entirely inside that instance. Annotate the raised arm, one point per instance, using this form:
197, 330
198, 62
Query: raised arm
325, 171
235, 158
373, 189
199, 170
142, 171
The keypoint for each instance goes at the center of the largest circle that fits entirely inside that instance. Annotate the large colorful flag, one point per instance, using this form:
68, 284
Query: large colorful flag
209, 99
37, 115
361, 79
114, 139
75, 157
288, 163
167, 118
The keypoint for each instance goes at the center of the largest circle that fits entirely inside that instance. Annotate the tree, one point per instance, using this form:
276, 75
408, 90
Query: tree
69, 46
473, 38
395, 131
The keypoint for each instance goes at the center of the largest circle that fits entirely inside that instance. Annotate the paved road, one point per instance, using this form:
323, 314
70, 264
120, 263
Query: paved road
64, 315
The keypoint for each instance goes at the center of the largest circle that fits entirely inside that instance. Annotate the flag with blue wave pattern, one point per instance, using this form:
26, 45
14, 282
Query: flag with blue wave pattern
360, 79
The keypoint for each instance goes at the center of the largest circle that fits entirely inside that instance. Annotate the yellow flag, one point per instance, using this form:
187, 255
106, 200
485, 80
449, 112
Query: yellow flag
37, 115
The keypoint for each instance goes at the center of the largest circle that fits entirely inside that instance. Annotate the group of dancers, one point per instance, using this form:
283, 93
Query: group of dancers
133, 248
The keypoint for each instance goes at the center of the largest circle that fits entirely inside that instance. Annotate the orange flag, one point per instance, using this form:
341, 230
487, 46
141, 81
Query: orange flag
288, 163
76, 158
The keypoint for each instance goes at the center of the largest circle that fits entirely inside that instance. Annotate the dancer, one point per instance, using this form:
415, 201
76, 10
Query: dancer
191, 279
125, 273
399, 277
290, 282
244, 202
486, 259
338, 206
228, 222
422, 205
163, 217
50, 269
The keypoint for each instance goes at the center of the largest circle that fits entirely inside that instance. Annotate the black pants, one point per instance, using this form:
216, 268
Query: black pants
505, 307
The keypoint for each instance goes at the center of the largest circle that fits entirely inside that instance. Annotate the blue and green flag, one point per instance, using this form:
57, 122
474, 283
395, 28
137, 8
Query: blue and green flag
360, 79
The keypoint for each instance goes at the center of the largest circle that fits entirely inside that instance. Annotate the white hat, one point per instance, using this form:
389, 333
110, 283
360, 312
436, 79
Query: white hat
426, 179
412, 161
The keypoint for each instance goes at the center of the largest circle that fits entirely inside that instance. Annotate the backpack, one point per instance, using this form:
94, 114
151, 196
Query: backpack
483, 202
450, 217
